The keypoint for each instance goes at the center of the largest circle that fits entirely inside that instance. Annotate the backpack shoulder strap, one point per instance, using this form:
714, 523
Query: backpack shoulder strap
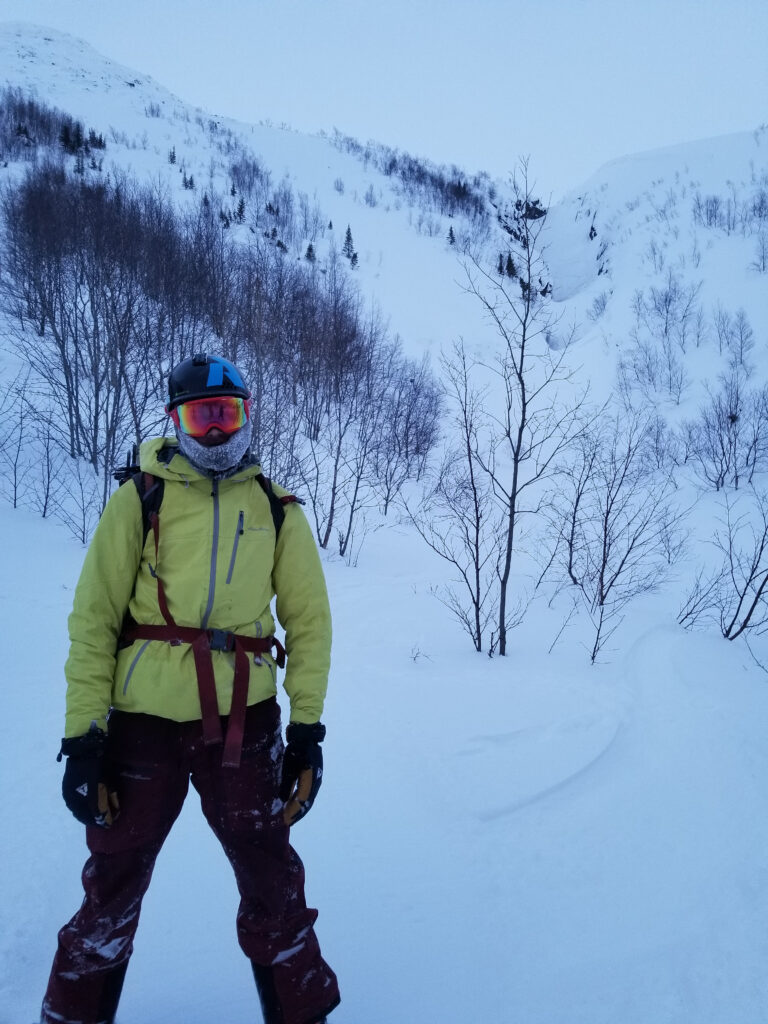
150, 490
276, 503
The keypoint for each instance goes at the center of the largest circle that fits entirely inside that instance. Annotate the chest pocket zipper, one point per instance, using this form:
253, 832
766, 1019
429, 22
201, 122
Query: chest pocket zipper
238, 534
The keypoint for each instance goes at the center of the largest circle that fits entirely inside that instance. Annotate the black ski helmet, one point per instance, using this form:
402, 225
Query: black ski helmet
204, 376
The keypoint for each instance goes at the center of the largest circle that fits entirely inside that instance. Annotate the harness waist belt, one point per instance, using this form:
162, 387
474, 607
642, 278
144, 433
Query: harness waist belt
202, 642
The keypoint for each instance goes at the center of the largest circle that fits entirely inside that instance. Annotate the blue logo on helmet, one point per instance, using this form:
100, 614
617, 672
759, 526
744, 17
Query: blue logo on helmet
216, 371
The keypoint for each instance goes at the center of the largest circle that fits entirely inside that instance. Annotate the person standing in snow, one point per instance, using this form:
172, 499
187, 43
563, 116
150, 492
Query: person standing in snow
171, 679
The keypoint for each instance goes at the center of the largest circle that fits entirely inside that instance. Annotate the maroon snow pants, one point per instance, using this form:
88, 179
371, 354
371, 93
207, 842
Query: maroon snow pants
153, 761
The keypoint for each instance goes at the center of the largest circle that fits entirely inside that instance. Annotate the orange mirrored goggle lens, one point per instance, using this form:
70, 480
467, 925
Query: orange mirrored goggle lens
196, 418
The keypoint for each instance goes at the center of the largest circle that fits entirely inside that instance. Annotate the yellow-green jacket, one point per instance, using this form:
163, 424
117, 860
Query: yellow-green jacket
220, 568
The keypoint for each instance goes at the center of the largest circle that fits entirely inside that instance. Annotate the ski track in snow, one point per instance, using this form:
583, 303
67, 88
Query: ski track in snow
602, 734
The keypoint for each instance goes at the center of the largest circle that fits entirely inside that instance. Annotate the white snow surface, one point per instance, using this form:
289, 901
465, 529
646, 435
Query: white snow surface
524, 840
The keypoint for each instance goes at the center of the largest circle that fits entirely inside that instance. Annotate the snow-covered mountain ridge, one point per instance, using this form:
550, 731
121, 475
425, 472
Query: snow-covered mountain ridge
143, 122
623, 220
598, 234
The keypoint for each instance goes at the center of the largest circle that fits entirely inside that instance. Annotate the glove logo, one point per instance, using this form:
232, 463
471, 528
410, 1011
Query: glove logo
82, 790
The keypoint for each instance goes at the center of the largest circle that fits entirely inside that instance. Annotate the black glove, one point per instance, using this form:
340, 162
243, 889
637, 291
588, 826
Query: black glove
302, 769
84, 786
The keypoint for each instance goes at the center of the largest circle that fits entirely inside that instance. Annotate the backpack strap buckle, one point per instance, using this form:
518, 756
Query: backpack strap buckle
221, 640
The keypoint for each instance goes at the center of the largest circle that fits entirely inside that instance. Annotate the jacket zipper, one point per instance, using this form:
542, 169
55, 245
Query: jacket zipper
214, 550
238, 534
133, 664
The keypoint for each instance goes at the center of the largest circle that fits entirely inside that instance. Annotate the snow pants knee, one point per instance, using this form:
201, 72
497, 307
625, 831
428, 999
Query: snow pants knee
153, 761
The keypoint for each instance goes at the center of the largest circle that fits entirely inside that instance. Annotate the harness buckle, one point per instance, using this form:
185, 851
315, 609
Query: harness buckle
220, 640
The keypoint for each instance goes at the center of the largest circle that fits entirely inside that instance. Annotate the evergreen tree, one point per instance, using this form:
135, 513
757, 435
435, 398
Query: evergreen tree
309, 255
349, 246
65, 138
451, 236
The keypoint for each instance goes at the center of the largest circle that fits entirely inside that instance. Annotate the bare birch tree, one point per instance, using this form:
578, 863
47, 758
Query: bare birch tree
734, 593
456, 514
540, 414
619, 525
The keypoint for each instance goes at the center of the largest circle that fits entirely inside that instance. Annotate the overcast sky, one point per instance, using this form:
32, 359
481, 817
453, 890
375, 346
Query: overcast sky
569, 83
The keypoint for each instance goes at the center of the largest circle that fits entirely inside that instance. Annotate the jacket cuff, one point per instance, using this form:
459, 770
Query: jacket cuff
302, 735
90, 745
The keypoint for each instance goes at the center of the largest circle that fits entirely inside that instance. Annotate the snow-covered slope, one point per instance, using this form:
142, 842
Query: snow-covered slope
523, 839
142, 122
527, 840
633, 218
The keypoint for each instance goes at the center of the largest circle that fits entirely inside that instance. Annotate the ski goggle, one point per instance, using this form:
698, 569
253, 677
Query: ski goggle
197, 417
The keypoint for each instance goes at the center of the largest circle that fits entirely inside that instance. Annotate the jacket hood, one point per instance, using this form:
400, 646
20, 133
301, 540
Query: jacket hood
162, 457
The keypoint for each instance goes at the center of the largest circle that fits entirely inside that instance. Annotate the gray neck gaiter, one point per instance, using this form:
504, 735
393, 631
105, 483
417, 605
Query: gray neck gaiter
220, 460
